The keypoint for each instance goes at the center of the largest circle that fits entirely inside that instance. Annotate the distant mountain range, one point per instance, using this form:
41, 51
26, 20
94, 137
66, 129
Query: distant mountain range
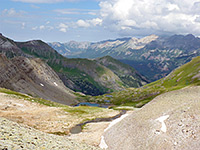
152, 56
88, 76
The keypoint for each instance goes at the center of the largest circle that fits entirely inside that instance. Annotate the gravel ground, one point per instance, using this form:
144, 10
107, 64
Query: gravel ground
17, 137
171, 121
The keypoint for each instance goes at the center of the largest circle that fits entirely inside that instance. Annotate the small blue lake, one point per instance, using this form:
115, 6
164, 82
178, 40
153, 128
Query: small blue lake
92, 104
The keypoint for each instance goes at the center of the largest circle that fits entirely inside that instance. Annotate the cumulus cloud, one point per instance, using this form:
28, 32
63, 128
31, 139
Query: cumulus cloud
89, 23
82, 23
62, 27
146, 17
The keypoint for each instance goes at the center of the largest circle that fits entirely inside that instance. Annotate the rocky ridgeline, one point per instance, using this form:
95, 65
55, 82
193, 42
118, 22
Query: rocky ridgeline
20, 137
32, 76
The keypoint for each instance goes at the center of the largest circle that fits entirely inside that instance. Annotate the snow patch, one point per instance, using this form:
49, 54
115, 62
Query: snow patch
162, 119
116, 121
41, 84
21, 105
103, 144
55, 84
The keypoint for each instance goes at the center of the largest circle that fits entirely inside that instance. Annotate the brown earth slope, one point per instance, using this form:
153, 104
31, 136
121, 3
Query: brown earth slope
170, 121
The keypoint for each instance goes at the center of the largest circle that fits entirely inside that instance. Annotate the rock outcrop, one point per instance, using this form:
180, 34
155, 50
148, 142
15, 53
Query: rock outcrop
34, 77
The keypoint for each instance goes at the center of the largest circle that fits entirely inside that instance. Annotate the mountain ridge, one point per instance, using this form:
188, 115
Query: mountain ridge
153, 56
33, 77
81, 75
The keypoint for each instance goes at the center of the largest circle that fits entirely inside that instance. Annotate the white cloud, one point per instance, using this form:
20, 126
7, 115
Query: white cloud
12, 13
42, 27
63, 27
95, 22
76, 11
63, 30
89, 23
82, 23
34, 28
23, 25
146, 17
34, 6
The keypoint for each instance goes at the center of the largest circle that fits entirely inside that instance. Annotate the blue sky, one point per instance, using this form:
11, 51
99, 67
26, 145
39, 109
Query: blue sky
96, 20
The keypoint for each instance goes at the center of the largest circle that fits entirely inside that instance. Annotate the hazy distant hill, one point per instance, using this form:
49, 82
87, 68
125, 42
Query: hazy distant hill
152, 56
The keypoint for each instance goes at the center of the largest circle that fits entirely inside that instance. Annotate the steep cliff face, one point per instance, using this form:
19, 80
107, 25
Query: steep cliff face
32, 76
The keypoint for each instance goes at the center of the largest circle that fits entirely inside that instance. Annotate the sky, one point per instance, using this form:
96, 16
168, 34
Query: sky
96, 20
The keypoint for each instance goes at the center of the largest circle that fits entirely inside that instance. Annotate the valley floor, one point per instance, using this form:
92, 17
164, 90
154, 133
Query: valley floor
56, 120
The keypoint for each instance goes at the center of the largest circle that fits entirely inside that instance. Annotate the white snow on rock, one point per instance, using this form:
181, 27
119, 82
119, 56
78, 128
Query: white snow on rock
55, 84
116, 121
103, 144
162, 119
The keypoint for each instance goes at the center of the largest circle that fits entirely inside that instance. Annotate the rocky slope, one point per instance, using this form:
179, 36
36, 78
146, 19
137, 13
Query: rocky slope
9, 47
32, 76
81, 75
17, 136
152, 56
170, 121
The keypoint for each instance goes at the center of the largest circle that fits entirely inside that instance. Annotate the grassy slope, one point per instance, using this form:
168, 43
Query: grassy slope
129, 76
179, 78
